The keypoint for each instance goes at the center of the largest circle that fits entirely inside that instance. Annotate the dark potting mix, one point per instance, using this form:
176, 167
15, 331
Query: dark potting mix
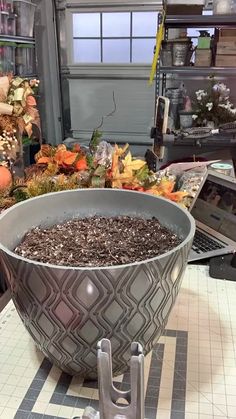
98, 241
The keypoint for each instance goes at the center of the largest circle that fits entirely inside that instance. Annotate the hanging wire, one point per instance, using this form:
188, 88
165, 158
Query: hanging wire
110, 113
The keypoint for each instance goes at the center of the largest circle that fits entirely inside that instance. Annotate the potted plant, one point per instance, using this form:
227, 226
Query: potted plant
212, 107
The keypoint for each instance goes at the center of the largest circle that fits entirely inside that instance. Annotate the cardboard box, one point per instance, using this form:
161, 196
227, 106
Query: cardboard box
225, 33
225, 61
224, 42
182, 9
227, 40
203, 58
226, 48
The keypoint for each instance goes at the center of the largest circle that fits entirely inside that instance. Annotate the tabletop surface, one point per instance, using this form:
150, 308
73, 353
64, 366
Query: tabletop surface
190, 374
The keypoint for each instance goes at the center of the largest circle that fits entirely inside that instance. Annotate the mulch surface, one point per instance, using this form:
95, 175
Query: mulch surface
98, 241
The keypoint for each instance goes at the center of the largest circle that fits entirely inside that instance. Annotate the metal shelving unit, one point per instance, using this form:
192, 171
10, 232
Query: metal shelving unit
195, 21
201, 21
199, 71
212, 143
17, 39
5, 292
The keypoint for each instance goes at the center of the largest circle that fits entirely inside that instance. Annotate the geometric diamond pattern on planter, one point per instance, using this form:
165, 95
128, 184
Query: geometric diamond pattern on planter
67, 310
63, 313
87, 293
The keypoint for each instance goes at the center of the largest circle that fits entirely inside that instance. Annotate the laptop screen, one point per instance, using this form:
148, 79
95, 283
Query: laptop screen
215, 206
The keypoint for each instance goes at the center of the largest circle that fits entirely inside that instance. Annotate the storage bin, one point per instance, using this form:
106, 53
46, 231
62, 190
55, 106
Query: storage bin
6, 6
11, 25
9, 6
10, 59
222, 7
182, 52
3, 22
2, 60
25, 12
3, 5
233, 6
7, 57
25, 60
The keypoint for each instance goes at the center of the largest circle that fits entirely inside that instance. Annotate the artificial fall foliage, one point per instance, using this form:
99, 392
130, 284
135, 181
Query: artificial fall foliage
124, 168
62, 158
58, 168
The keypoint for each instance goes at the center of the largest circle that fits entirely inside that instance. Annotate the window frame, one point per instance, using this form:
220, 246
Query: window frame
154, 7
102, 38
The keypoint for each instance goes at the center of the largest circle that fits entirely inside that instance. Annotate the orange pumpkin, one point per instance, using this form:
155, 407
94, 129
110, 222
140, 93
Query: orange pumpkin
5, 178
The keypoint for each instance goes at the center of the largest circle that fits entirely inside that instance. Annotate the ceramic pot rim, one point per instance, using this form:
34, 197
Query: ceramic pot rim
103, 268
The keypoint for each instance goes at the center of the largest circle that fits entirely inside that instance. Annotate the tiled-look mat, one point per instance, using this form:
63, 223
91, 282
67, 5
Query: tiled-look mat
190, 374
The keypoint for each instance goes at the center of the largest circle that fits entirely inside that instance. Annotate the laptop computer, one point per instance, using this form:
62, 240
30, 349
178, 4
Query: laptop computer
214, 210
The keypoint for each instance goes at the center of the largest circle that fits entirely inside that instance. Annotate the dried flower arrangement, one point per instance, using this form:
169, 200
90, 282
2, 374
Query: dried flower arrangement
17, 104
18, 114
213, 105
58, 168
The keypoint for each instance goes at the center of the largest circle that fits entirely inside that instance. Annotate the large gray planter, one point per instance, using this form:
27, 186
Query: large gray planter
68, 310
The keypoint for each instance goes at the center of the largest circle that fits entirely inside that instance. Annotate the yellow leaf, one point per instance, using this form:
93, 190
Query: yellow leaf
166, 186
117, 184
129, 166
121, 150
134, 164
127, 160
138, 164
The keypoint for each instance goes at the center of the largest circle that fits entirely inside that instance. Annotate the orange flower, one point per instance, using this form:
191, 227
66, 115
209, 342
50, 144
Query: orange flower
44, 160
176, 196
30, 101
76, 148
166, 186
65, 157
81, 164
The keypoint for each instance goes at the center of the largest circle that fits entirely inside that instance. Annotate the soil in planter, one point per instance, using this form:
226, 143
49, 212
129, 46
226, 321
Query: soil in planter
98, 241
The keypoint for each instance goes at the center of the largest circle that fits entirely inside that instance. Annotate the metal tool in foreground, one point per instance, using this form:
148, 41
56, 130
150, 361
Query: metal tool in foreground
109, 395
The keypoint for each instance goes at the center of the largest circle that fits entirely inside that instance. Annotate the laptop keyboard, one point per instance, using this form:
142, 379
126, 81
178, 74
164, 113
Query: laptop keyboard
203, 243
